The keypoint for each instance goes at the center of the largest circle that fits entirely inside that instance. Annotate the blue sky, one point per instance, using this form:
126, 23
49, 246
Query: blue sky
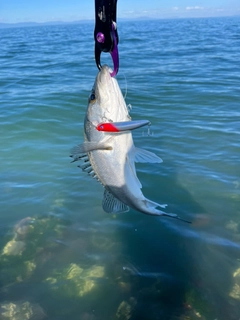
69, 10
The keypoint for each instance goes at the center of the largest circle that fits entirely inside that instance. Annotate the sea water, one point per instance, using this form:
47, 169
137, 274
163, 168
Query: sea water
63, 257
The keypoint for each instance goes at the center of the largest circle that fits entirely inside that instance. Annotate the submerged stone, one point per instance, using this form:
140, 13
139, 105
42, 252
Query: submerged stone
124, 311
74, 272
21, 311
232, 226
23, 227
76, 281
235, 292
14, 248
32, 237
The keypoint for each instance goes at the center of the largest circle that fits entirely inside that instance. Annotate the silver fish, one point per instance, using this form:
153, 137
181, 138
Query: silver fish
110, 157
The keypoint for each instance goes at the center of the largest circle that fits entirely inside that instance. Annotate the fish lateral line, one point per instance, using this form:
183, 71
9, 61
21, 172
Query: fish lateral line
122, 126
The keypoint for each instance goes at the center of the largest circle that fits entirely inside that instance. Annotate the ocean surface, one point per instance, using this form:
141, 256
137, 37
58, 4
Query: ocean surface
61, 256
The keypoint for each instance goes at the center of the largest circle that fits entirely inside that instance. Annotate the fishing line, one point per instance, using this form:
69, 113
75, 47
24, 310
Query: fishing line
124, 81
126, 86
129, 106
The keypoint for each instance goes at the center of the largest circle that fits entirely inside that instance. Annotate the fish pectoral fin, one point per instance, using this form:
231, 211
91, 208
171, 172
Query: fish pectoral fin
143, 156
111, 204
90, 146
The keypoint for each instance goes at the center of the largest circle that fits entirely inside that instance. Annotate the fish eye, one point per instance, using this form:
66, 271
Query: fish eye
92, 97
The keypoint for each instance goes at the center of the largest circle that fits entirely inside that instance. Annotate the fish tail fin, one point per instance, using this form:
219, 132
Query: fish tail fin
151, 206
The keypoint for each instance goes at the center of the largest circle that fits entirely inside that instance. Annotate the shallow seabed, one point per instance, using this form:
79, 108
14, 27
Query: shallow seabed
62, 257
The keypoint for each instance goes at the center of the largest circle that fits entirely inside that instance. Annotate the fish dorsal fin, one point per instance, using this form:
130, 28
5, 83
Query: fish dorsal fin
90, 146
141, 155
111, 204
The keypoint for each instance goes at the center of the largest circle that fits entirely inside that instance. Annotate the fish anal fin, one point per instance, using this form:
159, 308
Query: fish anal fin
143, 156
111, 204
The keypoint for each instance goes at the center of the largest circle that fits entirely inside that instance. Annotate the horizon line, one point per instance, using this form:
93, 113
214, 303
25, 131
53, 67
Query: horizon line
119, 19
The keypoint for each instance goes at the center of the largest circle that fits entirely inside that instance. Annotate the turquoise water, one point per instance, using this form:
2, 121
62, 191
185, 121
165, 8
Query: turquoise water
62, 256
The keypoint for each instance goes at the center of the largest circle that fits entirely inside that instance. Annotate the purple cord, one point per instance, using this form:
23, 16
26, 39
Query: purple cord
114, 54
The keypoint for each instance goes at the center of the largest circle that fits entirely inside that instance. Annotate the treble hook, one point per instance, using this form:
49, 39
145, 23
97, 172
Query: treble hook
105, 32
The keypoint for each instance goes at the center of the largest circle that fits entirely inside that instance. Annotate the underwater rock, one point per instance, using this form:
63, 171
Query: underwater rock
30, 266
125, 309
191, 314
76, 281
236, 274
14, 248
23, 227
235, 292
33, 239
21, 311
15, 270
197, 306
94, 272
35, 232
232, 226
74, 272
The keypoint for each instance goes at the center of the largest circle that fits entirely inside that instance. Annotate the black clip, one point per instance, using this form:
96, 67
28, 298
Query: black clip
105, 32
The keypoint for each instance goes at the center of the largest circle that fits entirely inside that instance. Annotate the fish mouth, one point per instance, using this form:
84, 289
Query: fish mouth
104, 76
104, 86
108, 96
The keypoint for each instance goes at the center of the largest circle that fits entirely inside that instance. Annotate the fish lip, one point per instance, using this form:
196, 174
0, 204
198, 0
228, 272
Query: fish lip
104, 74
104, 85
106, 68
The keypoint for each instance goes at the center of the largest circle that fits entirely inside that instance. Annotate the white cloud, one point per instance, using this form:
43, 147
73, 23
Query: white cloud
180, 12
194, 8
